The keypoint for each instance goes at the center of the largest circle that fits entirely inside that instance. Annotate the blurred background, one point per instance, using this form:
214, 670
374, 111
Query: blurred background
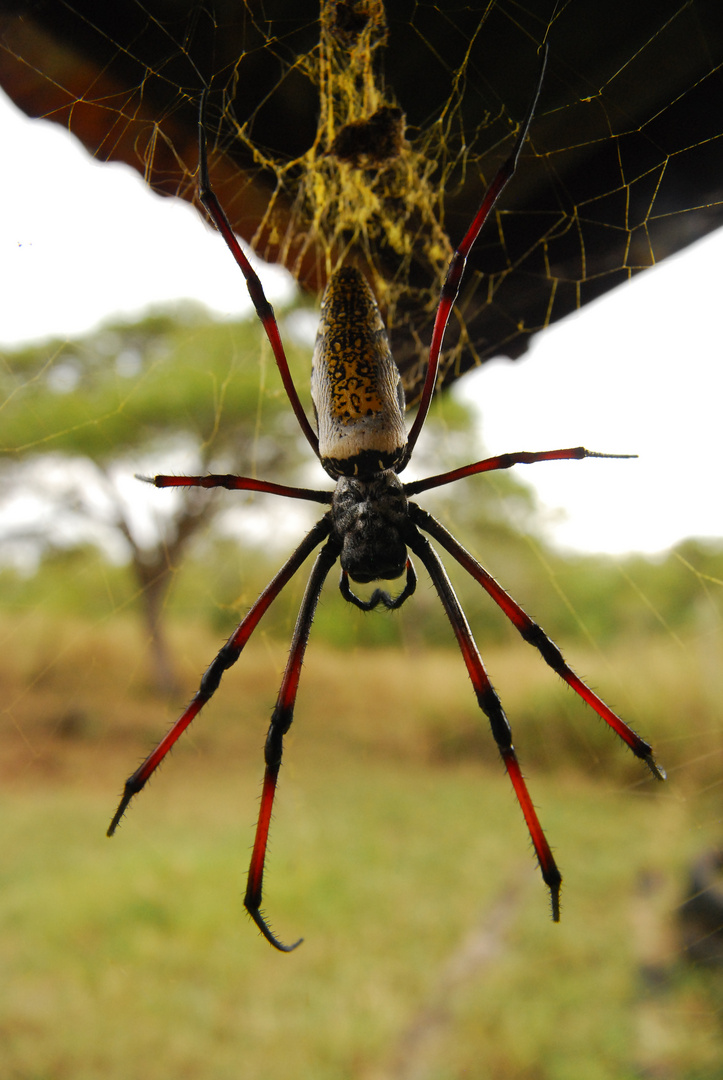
129, 347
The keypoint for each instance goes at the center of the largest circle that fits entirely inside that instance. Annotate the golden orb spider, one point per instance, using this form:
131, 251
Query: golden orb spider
371, 525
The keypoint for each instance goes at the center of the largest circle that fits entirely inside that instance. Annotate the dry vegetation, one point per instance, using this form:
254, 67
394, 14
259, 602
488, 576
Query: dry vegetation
397, 851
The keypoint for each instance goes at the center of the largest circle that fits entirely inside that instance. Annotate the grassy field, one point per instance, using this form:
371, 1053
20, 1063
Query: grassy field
397, 851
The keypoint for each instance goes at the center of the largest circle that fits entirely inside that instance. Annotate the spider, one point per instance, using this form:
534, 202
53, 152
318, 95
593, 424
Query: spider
371, 524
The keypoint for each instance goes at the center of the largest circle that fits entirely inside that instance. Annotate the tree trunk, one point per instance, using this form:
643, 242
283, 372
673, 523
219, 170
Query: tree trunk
154, 577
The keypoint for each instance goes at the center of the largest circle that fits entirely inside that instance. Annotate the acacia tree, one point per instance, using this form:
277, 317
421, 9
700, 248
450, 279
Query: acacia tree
79, 418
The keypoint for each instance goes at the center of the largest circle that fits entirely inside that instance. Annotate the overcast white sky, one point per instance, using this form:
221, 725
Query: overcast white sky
639, 371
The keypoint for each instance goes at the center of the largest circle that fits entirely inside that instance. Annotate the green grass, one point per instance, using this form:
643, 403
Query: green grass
397, 851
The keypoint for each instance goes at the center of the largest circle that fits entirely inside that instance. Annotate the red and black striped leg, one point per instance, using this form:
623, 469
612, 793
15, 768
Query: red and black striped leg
491, 705
455, 272
536, 636
281, 719
227, 656
238, 483
253, 282
505, 461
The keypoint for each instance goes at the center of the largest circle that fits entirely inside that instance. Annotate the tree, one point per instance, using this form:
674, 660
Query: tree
168, 393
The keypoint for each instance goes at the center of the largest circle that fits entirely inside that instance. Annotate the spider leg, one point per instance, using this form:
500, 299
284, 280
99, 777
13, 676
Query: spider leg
256, 290
237, 483
505, 461
491, 706
536, 636
281, 719
380, 596
455, 271
226, 656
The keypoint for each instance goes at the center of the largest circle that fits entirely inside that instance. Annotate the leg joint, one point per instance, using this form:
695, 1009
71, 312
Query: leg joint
536, 636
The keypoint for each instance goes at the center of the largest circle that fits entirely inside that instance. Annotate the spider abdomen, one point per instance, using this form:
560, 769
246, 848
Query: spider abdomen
355, 384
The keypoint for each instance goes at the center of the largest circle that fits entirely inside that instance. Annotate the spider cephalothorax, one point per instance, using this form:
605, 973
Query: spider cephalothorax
372, 525
369, 519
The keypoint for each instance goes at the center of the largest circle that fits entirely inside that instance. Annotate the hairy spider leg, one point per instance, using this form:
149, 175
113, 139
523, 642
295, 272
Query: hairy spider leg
238, 483
491, 706
227, 655
534, 635
281, 719
455, 271
253, 282
506, 461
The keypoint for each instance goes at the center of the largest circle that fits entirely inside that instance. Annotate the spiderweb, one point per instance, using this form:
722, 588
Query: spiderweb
364, 134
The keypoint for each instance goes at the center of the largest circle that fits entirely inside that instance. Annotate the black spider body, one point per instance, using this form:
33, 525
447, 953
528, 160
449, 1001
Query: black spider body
369, 519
